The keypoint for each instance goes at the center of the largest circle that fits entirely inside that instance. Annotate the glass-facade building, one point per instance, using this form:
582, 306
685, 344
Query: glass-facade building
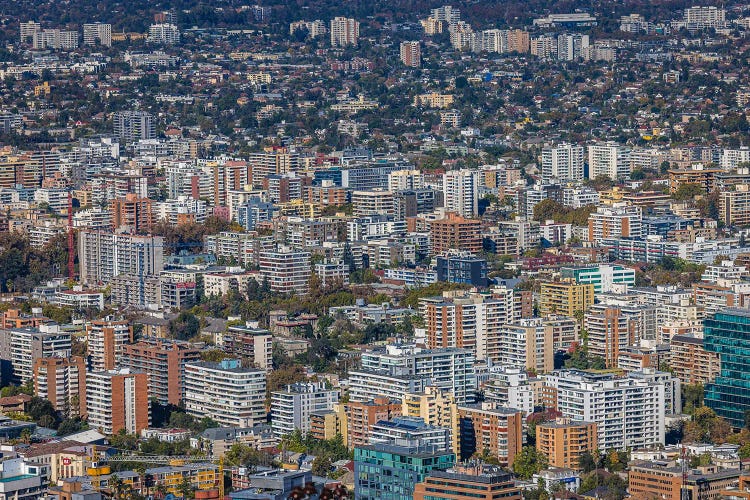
390, 471
728, 334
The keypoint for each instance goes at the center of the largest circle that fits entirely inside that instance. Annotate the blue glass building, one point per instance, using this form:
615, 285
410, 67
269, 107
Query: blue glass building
728, 334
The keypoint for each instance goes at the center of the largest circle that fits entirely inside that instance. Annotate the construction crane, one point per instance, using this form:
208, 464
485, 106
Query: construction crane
174, 460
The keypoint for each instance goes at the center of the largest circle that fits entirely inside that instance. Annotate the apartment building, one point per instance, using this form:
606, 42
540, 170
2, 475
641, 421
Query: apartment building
689, 360
97, 33
62, 381
21, 347
561, 163
372, 202
610, 160
563, 441
487, 426
629, 412
527, 343
616, 221
106, 339
286, 271
455, 233
359, 417
480, 482
164, 361
225, 392
565, 297
291, 409
734, 205
118, 400
435, 406
344, 31
411, 54
408, 368
468, 321
461, 192
255, 344
103, 256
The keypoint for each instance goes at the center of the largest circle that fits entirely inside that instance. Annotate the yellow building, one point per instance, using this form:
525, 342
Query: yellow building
436, 407
564, 441
434, 100
42, 90
324, 424
611, 197
202, 476
565, 297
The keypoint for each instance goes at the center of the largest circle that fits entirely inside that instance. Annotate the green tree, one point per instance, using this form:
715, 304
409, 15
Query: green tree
528, 462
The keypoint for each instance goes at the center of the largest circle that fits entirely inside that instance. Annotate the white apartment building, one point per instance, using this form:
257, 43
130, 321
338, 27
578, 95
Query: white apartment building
103, 256
344, 31
97, 33
526, 343
163, 33
286, 271
181, 210
412, 368
226, 392
509, 387
609, 160
406, 428
314, 28
616, 221
23, 346
373, 202
403, 180
292, 407
629, 412
571, 47
731, 158
564, 162
461, 191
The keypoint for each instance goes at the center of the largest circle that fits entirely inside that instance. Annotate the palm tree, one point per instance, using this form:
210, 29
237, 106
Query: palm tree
116, 486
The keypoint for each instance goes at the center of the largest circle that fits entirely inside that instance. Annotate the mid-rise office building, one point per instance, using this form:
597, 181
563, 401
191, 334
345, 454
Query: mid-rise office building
226, 392
118, 400
602, 276
390, 471
462, 267
726, 333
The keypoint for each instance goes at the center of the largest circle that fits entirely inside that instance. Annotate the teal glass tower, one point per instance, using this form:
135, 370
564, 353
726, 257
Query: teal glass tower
728, 334
390, 471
